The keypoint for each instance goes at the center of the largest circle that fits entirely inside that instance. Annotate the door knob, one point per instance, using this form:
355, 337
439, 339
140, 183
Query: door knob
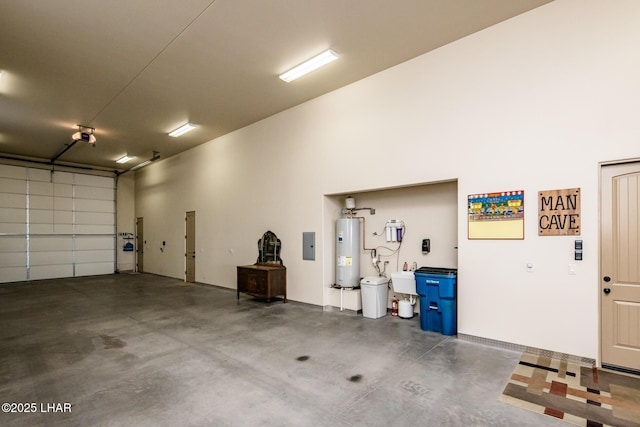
606, 290
606, 279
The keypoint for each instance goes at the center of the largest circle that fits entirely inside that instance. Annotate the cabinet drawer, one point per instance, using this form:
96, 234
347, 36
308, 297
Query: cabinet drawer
256, 282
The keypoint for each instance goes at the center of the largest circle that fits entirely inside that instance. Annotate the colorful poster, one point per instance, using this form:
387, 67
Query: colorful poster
496, 215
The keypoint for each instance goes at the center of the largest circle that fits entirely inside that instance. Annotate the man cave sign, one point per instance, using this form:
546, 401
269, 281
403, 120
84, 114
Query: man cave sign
559, 212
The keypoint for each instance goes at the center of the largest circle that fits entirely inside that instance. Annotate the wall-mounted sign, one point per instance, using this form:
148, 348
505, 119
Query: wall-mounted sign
559, 212
496, 215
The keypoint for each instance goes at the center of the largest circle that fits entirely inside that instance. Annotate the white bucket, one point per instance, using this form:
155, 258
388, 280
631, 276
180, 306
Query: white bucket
405, 309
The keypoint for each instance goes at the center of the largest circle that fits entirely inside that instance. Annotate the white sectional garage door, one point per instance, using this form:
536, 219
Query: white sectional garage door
58, 224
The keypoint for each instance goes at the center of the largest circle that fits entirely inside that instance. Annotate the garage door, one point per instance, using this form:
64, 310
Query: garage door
55, 224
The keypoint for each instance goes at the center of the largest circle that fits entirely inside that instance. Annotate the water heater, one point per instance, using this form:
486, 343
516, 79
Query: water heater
348, 252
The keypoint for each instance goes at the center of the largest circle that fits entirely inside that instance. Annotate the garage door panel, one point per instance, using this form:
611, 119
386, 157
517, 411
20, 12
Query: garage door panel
51, 243
51, 258
15, 186
40, 216
61, 229
40, 228
13, 215
13, 228
82, 192
62, 217
8, 200
94, 243
39, 175
58, 229
41, 188
63, 204
65, 177
95, 181
40, 202
83, 257
17, 172
13, 244
94, 269
13, 274
63, 190
87, 205
94, 218
94, 229
50, 271
13, 259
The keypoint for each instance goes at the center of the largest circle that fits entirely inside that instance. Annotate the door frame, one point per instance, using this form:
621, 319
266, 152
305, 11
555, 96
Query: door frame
186, 246
139, 246
600, 286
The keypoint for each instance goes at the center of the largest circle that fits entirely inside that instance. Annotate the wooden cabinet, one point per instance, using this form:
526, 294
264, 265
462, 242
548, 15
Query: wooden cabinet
263, 280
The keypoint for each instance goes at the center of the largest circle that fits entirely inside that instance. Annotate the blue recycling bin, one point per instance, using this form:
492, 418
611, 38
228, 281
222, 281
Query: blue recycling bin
438, 304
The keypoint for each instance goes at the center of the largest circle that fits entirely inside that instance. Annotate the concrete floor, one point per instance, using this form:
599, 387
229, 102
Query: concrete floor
146, 350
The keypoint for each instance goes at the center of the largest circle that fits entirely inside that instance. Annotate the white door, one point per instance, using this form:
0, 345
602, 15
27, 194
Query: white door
620, 266
190, 243
140, 245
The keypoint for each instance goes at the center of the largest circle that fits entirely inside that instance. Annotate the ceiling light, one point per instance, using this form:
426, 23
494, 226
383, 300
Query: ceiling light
153, 158
141, 165
310, 65
182, 129
124, 159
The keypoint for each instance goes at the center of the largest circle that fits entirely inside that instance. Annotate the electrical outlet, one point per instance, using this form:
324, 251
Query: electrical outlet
530, 267
572, 269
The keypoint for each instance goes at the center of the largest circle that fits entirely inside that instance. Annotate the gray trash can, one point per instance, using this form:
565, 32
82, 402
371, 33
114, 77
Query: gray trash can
374, 291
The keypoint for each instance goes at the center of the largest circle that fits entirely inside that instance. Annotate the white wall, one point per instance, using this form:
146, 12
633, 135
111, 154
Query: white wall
533, 103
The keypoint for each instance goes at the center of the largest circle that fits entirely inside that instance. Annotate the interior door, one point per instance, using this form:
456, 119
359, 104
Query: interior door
620, 266
139, 245
190, 253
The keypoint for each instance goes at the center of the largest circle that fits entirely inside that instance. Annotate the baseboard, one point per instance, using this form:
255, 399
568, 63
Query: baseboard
579, 360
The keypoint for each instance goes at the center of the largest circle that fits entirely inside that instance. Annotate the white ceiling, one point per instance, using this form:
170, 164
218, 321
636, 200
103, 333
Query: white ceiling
136, 69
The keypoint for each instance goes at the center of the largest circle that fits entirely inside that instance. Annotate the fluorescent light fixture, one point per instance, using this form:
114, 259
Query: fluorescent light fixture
310, 65
155, 157
182, 130
124, 159
141, 165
